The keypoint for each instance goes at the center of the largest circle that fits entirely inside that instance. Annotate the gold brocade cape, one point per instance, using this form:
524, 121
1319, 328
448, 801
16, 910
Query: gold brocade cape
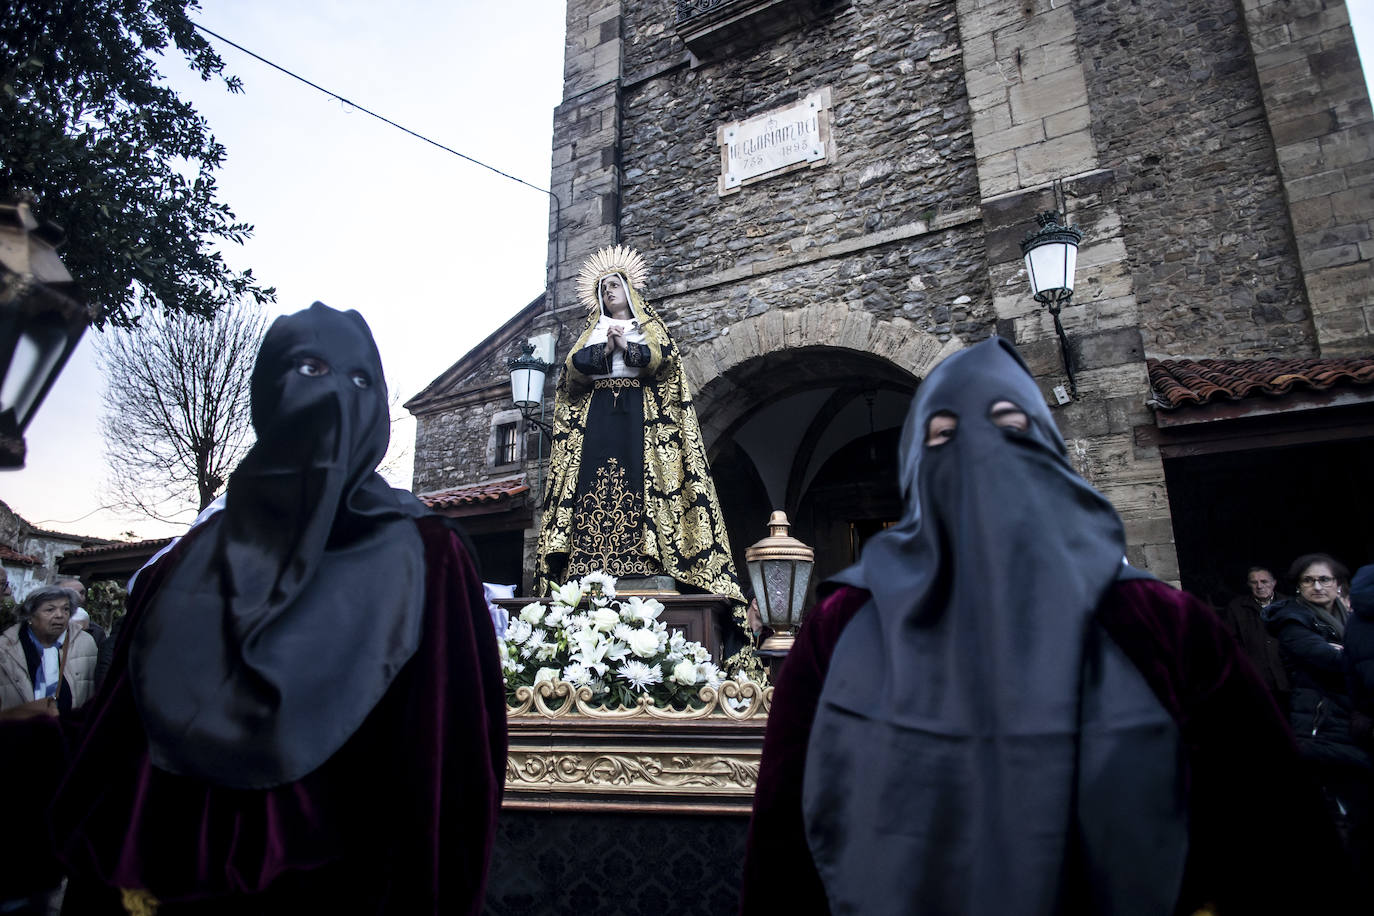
683, 532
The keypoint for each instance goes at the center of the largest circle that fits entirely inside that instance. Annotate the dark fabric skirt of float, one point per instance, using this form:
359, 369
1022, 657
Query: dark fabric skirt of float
608, 511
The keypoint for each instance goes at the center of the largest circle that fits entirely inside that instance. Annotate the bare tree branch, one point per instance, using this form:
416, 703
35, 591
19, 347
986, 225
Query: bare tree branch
176, 401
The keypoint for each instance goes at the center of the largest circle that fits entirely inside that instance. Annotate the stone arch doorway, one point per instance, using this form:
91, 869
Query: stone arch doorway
813, 431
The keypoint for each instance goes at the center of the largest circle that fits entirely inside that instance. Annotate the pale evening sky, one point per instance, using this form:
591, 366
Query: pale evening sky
434, 252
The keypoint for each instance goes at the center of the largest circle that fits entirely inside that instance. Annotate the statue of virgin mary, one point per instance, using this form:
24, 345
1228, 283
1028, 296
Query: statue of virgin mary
629, 491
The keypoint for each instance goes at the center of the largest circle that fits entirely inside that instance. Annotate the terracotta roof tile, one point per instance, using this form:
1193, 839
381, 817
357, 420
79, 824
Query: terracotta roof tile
489, 492
1189, 382
155, 543
10, 555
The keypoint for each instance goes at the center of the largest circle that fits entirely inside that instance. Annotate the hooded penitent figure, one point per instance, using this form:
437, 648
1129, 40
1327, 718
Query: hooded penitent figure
629, 489
991, 712
305, 704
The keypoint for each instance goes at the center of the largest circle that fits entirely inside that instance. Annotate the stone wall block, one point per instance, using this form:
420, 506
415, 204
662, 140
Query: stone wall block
1057, 158
1317, 185
1013, 138
1353, 204
771, 331
1067, 122
982, 17
1052, 93
1351, 146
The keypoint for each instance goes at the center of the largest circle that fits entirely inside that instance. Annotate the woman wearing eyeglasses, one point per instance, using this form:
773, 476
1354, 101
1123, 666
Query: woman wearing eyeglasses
1310, 628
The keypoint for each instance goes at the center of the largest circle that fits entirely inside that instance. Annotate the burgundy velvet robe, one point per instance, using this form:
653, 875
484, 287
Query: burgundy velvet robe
1259, 840
400, 820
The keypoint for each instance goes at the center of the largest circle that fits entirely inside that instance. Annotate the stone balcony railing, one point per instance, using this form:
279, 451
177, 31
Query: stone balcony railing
718, 28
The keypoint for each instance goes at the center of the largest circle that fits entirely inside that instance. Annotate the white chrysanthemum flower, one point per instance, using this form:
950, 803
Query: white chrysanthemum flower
577, 622
622, 631
569, 595
577, 675
537, 641
599, 584
639, 675
532, 613
711, 674
556, 615
518, 632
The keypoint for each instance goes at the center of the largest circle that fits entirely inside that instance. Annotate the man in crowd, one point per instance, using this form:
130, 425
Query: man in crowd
1242, 618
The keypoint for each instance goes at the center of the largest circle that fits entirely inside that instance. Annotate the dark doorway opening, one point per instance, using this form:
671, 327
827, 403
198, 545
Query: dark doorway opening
852, 498
1266, 507
500, 556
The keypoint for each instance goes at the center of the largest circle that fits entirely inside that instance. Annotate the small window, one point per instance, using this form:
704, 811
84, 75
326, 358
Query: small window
507, 445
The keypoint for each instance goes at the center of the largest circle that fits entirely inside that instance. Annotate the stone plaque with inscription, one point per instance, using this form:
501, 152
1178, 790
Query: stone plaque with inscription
776, 142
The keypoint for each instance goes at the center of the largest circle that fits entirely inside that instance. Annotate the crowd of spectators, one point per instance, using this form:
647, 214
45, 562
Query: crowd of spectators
1314, 648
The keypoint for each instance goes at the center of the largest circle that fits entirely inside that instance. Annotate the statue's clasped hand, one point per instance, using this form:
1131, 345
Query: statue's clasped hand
615, 340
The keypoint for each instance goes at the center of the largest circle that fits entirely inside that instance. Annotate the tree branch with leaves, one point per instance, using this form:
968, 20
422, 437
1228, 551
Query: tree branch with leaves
116, 157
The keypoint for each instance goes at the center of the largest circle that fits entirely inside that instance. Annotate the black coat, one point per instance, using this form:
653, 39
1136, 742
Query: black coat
1319, 706
1359, 651
1243, 621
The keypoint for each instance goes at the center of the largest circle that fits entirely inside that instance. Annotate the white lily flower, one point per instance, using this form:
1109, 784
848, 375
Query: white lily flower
569, 595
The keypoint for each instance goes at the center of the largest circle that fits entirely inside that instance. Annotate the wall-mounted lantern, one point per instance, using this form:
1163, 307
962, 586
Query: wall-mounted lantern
1051, 254
42, 318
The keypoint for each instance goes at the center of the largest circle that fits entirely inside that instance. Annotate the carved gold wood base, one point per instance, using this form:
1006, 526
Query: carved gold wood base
568, 756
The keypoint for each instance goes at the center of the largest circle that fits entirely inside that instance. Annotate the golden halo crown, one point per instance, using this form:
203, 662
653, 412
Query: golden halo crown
620, 259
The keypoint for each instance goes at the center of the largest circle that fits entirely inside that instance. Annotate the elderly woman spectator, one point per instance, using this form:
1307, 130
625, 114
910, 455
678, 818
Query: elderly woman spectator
44, 666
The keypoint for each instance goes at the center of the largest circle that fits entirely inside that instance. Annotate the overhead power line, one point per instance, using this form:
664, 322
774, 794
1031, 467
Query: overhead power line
368, 111
557, 203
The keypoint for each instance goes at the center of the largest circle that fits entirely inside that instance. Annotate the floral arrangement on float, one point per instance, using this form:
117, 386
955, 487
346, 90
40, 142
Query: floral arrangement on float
617, 648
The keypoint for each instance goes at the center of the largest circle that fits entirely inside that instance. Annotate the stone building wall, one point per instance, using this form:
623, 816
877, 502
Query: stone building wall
451, 444
1178, 115
899, 116
1323, 130
1216, 153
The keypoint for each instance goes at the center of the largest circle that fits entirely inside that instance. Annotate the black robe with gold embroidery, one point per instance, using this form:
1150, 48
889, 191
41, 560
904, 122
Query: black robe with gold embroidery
629, 490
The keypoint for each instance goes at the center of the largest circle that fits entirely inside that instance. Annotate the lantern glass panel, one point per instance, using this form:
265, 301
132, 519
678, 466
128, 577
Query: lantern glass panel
779, 579
756, 580
37, 353
1051, 267
800, 581
527, 387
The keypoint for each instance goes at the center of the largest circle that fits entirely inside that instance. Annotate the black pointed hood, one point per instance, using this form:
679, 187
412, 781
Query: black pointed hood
974, 718
287, 618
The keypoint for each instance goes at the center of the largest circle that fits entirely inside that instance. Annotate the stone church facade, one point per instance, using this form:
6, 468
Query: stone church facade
1218, 156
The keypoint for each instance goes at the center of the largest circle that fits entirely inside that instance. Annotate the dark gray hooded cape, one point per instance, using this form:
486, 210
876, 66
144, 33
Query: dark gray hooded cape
288, 614
981, 746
